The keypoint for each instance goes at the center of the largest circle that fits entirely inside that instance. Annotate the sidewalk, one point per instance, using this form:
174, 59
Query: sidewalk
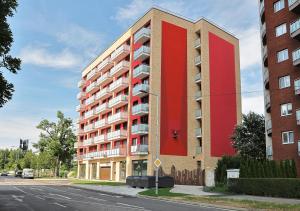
192, 189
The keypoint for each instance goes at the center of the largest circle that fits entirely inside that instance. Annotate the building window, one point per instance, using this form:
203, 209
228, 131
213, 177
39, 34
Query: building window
284, 82
279, 5
298, 116
282, 55
288, 137
139, 168
286, 109
280, 30
134, 142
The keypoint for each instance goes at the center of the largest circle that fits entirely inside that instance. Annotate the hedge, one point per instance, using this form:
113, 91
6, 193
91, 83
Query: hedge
275, 187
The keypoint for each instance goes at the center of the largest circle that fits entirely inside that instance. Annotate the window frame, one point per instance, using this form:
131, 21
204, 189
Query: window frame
277, 4
283, 53
284, 79
287, 132
287, 109
278, 27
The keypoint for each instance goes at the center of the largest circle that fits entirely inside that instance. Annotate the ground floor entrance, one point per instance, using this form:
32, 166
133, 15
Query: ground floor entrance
105, 173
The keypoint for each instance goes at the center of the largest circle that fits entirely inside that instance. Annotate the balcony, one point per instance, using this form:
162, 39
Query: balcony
78, 144
81, 118
89, 114
101, 124
198, 96
120, 69
269, 127
93, 74
92, 87
79, 107
118, 101
140, 90
197, 60
198, 78
120, 53
198, 133
90, 100
142, 71
142, 53
265, 55
88, 142
296, 57
268, 103
140, 109
142, 35
263, 30
100, 139
118, 118
104, 79
266, 78
139, 149
139, 129
297, 86
197, 43
79, 131
117, 135
81, 83
294, 5
262, 10
298, 116
118, 85
105, 65
198, 114
295, 29
80, 95
103, 93
89, 128
102, 108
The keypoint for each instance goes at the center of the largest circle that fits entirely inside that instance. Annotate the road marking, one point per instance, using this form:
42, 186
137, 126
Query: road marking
39, 197
20, 189
54, 194
96, 199
58, 204
129, 205
36, 189
18, 198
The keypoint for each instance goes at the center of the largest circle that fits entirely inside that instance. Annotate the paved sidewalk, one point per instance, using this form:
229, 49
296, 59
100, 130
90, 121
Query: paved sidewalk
192, 189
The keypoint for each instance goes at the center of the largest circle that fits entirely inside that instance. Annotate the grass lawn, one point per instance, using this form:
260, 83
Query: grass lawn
218, 200
91, 182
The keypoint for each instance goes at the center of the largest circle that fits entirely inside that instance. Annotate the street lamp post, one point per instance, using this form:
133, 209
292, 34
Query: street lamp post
157, 143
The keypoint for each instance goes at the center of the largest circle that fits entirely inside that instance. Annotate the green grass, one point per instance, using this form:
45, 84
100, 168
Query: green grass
89, 182
161, 192
219, 188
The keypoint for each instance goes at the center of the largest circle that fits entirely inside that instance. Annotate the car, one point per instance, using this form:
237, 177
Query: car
4, 173
28, 173
18, 173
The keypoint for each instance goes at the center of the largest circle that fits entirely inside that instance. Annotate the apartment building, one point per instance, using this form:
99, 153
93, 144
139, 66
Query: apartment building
280, 33
168, 85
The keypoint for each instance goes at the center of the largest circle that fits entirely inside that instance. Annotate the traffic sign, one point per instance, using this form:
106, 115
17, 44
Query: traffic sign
157, 163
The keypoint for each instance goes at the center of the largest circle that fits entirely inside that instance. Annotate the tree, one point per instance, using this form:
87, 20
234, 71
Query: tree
7, 8
249, 137
58, 140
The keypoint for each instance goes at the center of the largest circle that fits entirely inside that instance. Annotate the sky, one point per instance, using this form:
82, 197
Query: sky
56, 39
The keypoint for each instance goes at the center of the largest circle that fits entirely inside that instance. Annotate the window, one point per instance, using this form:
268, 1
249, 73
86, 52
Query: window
298, 115
284, 82
297, 85
279, 5
134, 142
282, 55
280, 30
288, 137
286, 109
139, 167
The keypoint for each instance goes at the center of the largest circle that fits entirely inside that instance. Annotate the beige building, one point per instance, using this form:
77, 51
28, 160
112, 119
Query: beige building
168, 83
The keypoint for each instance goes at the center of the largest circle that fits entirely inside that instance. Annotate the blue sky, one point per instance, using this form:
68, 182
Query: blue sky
57, 38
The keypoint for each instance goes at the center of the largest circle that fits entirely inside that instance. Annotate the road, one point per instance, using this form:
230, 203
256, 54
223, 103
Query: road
32, 195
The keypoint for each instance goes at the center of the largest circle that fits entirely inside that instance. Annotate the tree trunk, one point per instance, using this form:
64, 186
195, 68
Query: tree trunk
57, 167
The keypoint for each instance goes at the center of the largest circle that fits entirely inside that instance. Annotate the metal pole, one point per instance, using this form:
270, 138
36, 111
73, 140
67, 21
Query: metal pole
157, 147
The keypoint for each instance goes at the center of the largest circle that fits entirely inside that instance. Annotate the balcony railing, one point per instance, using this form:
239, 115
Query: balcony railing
91, 74
141, 71
107, 153
269, 127
120, 68
79, 107
198, 133
197, 60
102, 108
296, 57
118, 101
105, 64
140, 109
88, 142
198, 95
294, 5
295, 29
103, 93
89, 128
78, 144
265, 52
120, 52
142, 35
118, 118
140, 90
263, 29
267, 103
262, 7
140, 129
198, 114
89, 114
140, 149
79, 131
91, 87
198, 77
197, 43
90, 100
105, 78
119, 84
266, 78
142, 53
101, 123
80, 95
81, 83
100, 138
117, 135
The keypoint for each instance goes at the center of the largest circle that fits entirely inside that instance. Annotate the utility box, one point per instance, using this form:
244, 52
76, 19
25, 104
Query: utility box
233, 173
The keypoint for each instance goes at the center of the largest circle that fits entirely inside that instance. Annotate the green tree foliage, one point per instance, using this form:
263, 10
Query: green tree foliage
7, 9
223, 164
58, 140
249, 137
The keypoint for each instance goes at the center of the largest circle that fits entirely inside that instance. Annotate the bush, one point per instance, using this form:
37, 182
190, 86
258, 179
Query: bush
276, 187
225, 163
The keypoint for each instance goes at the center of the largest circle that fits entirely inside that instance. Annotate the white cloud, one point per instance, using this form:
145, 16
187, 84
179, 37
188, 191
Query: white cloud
253, 103
41, 56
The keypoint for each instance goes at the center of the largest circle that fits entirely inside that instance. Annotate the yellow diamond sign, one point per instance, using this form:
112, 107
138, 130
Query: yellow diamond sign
157, 163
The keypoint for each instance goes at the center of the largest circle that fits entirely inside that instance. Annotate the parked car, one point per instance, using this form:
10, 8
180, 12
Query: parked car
4, 173
18, 173
28, 173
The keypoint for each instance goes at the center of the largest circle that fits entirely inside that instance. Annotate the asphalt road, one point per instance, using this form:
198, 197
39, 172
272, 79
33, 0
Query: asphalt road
23, 195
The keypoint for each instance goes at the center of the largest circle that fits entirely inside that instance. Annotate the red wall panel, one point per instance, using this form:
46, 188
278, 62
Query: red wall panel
173, 90
223, 107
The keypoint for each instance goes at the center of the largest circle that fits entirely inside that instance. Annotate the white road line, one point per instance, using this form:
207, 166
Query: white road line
58, 204
20, 189
39, 197
129, 205
18, 198
36, 189
96, 199
54, 194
